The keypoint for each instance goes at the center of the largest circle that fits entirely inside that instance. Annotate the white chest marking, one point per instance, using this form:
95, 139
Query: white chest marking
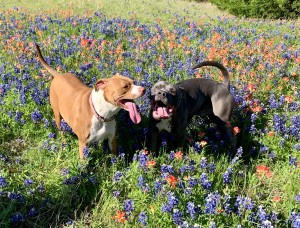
164, 124
102, 130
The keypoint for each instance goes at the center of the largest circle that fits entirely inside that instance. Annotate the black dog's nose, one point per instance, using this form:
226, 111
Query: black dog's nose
162, 93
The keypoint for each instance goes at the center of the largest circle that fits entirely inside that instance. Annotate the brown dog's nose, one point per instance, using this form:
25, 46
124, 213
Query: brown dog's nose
142, 90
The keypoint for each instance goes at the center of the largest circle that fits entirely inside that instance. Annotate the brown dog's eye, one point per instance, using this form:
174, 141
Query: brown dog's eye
126, 87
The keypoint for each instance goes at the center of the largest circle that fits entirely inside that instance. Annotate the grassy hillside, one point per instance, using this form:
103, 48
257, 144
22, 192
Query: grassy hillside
146, 11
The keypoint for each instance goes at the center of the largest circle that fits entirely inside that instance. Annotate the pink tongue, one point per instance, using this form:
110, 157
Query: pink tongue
133, 112
162, 112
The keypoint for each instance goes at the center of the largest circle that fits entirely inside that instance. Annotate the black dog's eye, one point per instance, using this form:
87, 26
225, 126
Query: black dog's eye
173, 91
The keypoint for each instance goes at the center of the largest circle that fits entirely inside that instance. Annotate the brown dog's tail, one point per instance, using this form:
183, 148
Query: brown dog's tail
42, 60
218, 65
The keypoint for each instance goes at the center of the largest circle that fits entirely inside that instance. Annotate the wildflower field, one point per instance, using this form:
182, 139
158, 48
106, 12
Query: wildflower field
43, 183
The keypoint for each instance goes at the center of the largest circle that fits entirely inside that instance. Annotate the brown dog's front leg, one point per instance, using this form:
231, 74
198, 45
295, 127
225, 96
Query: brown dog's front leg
112, 143
82, 145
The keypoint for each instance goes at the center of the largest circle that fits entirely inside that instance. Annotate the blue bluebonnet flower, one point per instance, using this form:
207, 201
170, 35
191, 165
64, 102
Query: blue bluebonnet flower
183, 169
212, 224
143, 218
227, 205
242, 204
128, 206
36, 116
142, 159
238, 155
32, 212
16, 196
28, 182
65, 127
273, 103
253, 118
211, 203
3, 182
172, 201
64, 171
279, 124
17, 217
293, 161
227, 176
52, 135
41, 188
203, 163
274, 216
117, 177
116, 193
141, 181
211, 167
297, 198
18, 116
71, 180
192, 182
171, 155
177, 217
113, 160
264, 149
93, 179
272, 155
192, 209
86, 153
205, 182
157, 186
167, 169
261, 214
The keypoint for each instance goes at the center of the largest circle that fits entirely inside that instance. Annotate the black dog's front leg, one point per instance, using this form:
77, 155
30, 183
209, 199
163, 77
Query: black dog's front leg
152, 139
179, 133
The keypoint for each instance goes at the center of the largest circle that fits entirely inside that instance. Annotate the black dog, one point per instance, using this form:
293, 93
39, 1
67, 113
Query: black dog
174, 105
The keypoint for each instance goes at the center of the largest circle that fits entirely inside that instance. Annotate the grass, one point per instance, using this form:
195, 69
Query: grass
43, 182
146, 11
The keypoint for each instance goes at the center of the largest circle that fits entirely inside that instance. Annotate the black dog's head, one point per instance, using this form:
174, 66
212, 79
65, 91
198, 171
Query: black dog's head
165, 98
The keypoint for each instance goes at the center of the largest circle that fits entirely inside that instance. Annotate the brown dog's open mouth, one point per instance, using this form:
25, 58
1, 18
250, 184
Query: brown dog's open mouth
132, 108
162, 111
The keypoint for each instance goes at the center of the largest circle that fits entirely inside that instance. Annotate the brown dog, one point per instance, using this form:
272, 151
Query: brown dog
91, 112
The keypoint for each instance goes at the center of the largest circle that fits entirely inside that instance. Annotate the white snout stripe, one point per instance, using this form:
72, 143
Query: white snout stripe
135, 90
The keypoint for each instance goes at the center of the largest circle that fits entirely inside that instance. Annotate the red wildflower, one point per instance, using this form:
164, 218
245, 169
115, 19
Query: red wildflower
236, 130
203, 143
151, 164
262, 170
289, 99
120, 217
201, 133
251, 88
84, 42
276, 199
178, 155
172, 180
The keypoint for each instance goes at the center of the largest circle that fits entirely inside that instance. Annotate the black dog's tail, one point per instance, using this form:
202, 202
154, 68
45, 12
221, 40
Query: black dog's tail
218, 65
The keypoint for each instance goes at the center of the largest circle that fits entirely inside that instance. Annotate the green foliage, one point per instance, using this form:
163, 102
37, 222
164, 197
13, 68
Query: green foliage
272, 9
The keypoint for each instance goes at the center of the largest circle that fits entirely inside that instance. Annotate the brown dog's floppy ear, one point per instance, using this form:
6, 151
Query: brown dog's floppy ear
100, 84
